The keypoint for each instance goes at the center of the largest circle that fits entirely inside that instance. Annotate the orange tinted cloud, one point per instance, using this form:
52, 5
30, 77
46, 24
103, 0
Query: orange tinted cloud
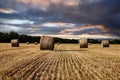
101, 27
77, 36
71, 2
58, 24
7, 11
46, 3
36, 3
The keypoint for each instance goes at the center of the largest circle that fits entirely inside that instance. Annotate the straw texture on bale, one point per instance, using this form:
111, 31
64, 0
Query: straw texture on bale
15, 43
105, 43
47, 43
83, 43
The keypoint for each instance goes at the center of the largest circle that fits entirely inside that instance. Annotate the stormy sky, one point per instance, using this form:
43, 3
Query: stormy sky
61, 18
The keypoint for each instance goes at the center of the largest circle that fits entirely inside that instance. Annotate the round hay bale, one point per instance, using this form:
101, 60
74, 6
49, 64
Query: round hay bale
58, 43
27, 43
89, 43
105, 43
36, 43
46, 43
15, 43
83, 43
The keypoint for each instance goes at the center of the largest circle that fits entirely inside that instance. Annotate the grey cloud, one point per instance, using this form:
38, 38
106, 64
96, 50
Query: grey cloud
94, 12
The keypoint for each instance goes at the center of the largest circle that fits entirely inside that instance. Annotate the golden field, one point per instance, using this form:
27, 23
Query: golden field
66, 62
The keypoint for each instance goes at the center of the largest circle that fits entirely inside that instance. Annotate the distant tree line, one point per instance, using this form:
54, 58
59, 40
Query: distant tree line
60, 40
6, 38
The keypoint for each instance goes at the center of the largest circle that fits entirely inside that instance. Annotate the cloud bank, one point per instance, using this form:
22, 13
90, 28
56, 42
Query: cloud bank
62, 17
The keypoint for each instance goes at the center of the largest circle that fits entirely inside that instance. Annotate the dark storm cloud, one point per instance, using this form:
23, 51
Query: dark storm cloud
94, 12
102, 12
48, 30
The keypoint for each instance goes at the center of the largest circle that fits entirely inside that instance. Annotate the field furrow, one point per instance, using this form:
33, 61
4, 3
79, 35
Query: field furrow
79, 64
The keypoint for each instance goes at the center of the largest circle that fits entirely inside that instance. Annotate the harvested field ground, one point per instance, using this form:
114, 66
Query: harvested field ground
66, 62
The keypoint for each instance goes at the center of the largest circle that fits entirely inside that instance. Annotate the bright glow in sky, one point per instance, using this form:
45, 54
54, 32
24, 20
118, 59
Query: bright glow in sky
15, 21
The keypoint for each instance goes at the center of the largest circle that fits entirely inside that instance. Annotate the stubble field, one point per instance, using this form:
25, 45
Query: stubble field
66, 62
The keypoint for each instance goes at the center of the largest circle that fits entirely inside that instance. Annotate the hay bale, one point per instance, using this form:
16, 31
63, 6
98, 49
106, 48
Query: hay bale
36, 43
83, 43
89, 43
27, 43
46, 43
15, 43
105, 43
58, 43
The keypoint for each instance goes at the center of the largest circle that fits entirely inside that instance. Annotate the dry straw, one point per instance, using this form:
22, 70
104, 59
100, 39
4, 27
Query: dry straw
105, 43
83, 43
15, 43
47, 43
